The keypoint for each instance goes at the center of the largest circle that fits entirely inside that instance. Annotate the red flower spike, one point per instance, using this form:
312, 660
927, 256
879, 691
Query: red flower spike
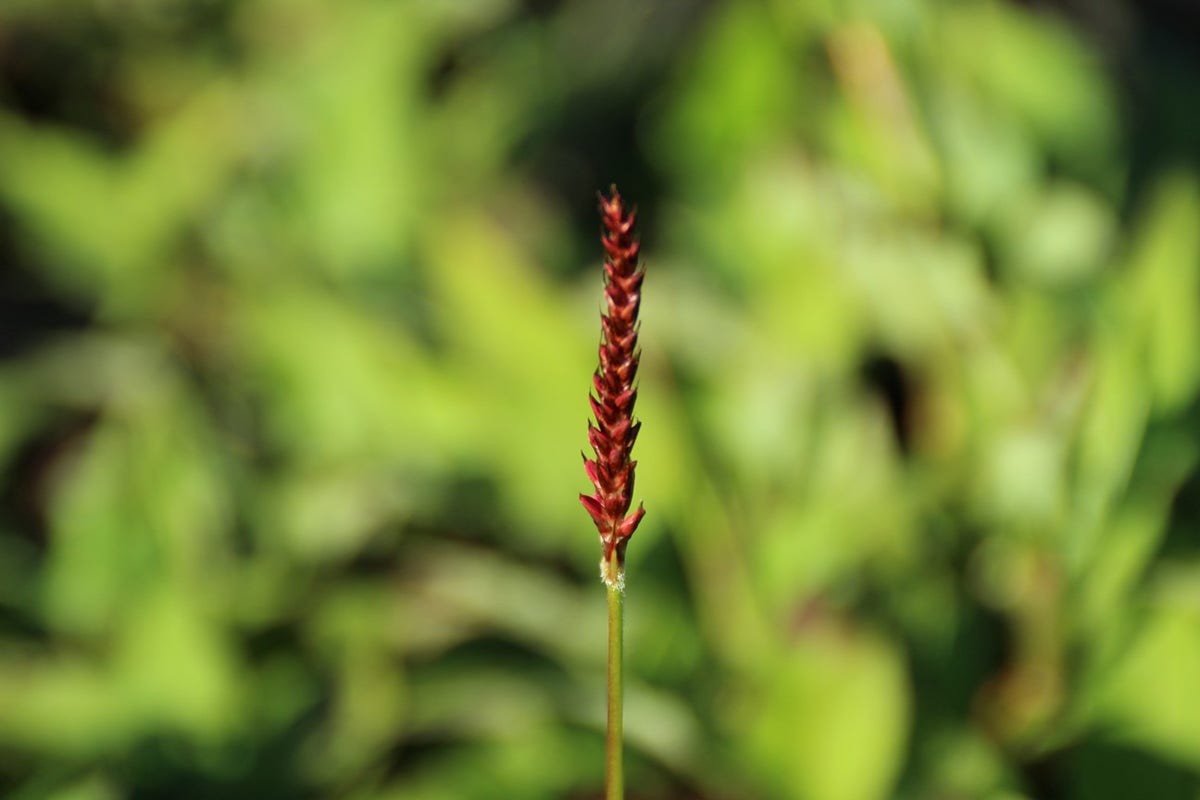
612, 437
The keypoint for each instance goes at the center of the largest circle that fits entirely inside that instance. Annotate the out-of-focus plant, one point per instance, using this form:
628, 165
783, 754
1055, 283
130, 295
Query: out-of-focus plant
290, 355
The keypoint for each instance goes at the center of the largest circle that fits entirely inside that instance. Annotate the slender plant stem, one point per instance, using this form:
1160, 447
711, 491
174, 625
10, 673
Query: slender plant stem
614, 766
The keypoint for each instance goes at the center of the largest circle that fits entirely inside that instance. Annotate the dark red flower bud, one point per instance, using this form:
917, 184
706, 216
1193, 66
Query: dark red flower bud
615, 431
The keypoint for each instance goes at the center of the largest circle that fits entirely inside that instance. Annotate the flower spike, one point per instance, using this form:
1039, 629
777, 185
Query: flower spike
612, 437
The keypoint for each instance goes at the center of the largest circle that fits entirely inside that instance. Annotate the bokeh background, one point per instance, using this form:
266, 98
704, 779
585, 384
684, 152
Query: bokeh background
298, 310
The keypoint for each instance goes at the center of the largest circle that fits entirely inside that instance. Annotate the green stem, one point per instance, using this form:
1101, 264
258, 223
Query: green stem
613, 766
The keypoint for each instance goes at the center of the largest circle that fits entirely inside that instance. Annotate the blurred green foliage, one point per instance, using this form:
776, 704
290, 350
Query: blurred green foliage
299, 311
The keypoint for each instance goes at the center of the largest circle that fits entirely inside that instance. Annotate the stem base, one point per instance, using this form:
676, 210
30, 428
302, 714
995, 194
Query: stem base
614, 770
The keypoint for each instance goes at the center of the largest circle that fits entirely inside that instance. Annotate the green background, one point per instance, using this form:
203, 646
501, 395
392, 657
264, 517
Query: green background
299, 309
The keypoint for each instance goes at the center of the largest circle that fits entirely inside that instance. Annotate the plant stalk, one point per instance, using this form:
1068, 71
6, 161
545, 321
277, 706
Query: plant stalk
613, 765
